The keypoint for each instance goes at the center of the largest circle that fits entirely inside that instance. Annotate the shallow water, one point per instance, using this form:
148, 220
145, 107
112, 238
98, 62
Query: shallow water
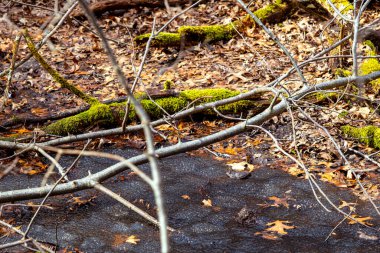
103, 224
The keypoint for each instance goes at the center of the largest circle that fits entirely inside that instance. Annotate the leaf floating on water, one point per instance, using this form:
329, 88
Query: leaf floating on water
241, 166
359, 219
238, 174
132, 239
185, 196
279, 227
279, 201
267, 235
207, 202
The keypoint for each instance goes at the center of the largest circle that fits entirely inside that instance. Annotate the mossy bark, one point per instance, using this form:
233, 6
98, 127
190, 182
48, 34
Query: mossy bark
371, 65
113, 114
344, 6
272, 13
55, 74
369, 135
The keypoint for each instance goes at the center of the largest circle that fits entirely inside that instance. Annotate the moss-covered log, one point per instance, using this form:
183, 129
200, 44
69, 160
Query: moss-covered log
344, 6
369, 135
272, 13
371, 65
112, 115
55, 74
101, 6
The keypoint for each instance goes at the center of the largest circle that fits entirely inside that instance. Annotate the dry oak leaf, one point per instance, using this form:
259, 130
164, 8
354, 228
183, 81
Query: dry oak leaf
279, 227
295, 171
132, 239
268, 235
185, 196
40, 111
359, 219
207, 202
241, 166
22, 130
279, 201
351, 206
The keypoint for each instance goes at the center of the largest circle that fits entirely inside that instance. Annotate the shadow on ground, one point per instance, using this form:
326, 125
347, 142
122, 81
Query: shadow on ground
102, 225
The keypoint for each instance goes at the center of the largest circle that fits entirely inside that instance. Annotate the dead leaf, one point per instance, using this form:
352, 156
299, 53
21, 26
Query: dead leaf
364, 236
132, 239
185, 196
40, 111
268, 235
241, 166
207, 202
359, 219
351, 206
279, 227
295, 171
22, 130
279, 201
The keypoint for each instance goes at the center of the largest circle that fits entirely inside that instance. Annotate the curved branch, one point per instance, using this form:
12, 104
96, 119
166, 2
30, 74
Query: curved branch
87, 182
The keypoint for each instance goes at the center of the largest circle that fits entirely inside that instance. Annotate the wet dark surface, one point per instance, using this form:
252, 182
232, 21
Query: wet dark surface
102, 224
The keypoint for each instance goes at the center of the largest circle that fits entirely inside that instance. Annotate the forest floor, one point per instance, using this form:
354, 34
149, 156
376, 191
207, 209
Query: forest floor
243, 63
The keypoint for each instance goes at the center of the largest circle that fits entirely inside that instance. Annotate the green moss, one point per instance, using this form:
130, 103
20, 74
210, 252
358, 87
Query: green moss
208, 95
162, 39
168, 84
339, 72
100, 114
171, 105
268, 10
209, 33
113, 114
372, 47
343, 114
271, 13
322, 96
371, 65
344, 6
212, 95
369, 135
55, 74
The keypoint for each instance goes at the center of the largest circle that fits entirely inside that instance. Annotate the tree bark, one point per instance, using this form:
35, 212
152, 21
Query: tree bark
99, 7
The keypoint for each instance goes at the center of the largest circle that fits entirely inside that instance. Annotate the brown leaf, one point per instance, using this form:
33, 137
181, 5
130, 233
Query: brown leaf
279, 227
359, 219
132, 239
279, 201
207, 202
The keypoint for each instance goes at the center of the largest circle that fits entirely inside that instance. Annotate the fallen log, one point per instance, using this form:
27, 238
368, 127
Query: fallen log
101, 6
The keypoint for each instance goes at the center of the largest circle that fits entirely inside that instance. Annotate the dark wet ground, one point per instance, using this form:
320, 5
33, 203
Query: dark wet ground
103, 224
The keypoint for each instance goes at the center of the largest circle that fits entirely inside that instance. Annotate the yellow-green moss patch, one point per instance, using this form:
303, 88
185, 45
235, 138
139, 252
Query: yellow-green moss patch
162, 39
113, 114
98, 114
168, 84
344, 6
272, 13
208, 95
209, 33
55, 74
371, 65
369, 135
339, 72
